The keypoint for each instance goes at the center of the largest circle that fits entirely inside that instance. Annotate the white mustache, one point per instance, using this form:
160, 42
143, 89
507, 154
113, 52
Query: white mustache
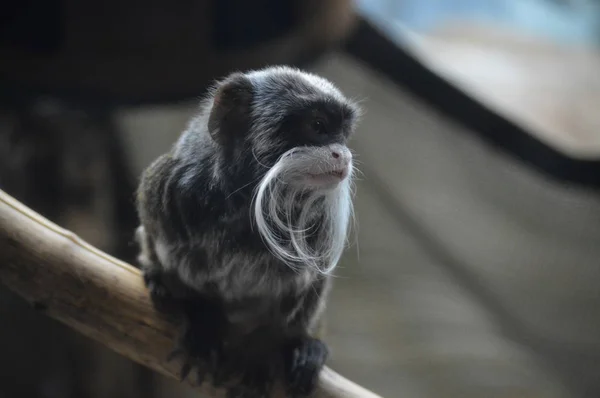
325, 212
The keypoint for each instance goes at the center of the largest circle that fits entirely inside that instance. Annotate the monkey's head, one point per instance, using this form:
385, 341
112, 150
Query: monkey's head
287, 133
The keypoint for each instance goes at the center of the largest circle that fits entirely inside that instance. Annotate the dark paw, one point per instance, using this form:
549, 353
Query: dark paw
199, 350
304, 360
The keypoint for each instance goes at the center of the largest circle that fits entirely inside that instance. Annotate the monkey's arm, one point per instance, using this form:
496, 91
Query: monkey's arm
160, 211
151, 196
305, 354
201, 318
155, 199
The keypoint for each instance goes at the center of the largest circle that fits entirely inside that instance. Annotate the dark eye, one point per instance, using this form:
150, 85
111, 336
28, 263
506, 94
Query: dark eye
318, 126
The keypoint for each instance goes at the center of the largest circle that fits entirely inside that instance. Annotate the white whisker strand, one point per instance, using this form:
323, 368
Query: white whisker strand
242, 187
291, 236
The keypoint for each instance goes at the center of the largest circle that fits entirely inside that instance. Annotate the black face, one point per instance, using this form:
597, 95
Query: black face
319, 122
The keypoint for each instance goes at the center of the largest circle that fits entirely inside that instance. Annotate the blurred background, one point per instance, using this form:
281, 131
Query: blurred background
476, 266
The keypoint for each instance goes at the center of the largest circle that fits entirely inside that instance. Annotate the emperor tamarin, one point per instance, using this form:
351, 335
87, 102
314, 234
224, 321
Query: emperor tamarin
242, 223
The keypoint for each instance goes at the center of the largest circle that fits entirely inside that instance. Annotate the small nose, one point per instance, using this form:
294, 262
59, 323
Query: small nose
340, 154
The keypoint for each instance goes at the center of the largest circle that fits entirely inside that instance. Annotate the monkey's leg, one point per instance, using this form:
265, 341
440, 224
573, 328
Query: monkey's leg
255, 365
199, 342
253, 354
201, 321
305, 355
201, 336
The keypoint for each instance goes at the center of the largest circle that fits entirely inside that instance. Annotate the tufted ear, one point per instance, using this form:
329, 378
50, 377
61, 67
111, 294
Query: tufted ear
230, 114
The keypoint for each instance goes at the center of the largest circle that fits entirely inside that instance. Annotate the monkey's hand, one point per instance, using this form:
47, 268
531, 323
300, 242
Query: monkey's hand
304, 358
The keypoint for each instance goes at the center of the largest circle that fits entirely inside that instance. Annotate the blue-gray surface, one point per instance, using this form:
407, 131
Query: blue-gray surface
576, 20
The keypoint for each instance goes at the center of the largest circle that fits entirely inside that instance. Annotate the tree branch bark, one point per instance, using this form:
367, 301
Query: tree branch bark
100, 296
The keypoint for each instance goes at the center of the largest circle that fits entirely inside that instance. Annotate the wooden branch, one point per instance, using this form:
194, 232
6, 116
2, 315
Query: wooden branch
100, 296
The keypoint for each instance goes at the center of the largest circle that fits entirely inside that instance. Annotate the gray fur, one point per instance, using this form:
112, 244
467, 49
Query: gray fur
196, 202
